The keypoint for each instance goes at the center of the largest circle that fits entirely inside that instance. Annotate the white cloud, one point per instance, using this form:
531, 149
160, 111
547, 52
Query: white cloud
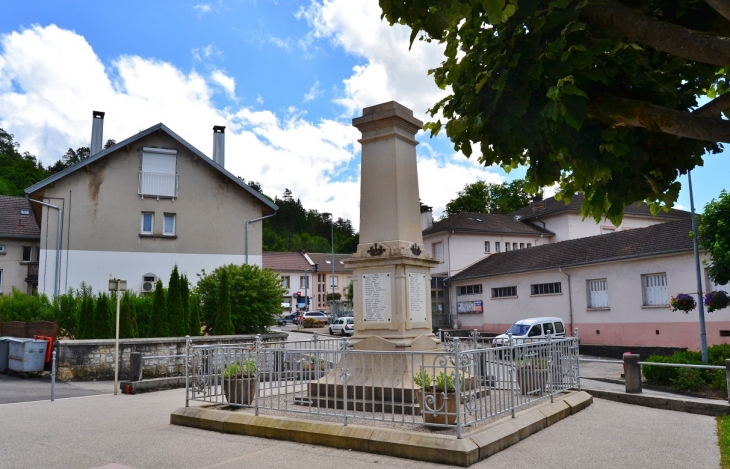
282, 43
259, 99
392, 72
313, 92
202, 53
202, 9
51, 80
226, 82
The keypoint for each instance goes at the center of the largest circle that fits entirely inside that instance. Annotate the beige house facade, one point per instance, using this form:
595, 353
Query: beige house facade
614, 289
19, 246
137, 209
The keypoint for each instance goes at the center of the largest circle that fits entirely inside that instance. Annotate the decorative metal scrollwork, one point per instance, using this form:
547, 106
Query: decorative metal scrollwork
416, 250
376, 250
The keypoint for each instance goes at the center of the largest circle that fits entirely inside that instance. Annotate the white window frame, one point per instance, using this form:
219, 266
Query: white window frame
496, 246
507, 247
438, 251
333, 281
303, 281
501, 292
608, 229
712, 286
152, 224
514, 246
597, 292
158, 180
1, 281
654, 289
549, 288
164, 224
486, 246
30, 254
285, 281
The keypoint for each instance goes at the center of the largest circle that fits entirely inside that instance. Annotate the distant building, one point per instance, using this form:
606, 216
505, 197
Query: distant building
614, 288
138, 208
296, 277
326, 283
19, 246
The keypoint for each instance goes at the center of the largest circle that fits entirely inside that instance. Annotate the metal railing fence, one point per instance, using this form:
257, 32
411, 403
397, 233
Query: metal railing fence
453, 387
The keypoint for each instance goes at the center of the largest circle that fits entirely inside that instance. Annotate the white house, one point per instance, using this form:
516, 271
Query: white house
614, 288
138, 208
296, 273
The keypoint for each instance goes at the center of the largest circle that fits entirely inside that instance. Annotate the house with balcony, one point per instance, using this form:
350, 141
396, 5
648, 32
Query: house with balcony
142, 206
19, 246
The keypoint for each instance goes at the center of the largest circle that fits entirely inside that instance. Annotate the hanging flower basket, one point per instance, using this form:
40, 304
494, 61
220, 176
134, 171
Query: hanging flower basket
715, 300
683, 302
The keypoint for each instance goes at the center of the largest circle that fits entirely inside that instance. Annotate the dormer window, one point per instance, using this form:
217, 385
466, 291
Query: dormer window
158, 177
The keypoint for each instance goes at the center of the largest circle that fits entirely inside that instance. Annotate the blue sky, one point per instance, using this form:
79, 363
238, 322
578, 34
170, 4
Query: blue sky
286, 77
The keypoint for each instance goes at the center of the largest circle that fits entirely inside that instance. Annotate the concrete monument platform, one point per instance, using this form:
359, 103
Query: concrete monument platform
475, 446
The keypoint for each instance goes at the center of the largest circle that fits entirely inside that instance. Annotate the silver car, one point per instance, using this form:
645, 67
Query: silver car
343, 326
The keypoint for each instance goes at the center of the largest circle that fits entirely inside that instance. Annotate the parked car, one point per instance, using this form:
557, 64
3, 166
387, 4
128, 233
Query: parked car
531, 330
318, 315
344, 326
288, 319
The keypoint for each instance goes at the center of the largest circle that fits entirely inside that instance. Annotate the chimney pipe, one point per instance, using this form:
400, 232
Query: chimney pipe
219, 144
97, 132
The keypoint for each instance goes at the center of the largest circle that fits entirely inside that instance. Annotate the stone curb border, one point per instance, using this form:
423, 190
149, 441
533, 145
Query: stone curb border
664, 403
479, 445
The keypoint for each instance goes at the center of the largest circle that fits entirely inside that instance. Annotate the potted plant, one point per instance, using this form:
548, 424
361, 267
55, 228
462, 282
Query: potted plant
532, 375
683, 302
437, 397
715, 300
312, 367
239, 382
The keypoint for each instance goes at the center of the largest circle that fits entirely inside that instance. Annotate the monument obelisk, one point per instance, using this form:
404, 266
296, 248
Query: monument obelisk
391, 268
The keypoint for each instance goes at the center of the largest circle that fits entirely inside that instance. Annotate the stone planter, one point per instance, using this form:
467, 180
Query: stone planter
532, 381
442, 404
239, 391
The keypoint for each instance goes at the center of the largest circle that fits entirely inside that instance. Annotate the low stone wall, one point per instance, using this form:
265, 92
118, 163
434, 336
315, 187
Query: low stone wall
89, 360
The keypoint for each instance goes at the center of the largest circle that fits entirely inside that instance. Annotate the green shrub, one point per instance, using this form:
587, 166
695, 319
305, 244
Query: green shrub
255, 297
687, 378
223, 323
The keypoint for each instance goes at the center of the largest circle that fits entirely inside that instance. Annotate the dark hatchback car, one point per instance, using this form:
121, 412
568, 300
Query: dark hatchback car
288, 319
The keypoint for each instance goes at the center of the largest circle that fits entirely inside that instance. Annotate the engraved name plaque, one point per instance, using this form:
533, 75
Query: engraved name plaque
376, 297
417, 297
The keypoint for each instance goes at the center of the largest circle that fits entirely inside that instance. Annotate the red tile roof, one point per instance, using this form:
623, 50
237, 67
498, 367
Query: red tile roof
285, 261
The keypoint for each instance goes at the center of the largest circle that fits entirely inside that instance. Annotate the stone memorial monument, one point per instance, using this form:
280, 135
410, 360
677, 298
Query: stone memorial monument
391, 268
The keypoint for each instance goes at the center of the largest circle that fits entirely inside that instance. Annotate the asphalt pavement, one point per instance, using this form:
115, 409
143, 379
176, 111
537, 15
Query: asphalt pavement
16, 388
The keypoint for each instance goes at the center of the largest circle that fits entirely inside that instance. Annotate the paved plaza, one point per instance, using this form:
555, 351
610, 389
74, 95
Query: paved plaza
134, 431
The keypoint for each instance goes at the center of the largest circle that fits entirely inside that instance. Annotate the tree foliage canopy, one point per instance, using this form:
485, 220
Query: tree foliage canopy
600, 96
714, 237
485, 197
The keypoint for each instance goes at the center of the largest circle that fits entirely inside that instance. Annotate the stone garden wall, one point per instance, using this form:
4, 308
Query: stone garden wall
88, 360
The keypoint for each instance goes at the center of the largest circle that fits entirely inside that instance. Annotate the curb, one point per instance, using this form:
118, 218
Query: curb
475, 447
664, 403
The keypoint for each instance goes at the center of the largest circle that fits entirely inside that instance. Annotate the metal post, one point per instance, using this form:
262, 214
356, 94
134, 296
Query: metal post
577, 356
550, 367
187, 371
257, 374
53, 377
633, 373
116, 344
457, 388
703, 332
727, 377
511, 374
332, 223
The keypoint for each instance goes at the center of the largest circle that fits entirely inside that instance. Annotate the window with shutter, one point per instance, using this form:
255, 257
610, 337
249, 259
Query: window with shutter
655, 289
158, 177
598, 293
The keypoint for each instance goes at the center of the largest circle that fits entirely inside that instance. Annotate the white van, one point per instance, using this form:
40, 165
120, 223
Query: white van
531, 330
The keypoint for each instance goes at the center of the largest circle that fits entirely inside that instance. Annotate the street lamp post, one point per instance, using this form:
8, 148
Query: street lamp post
332, 280
118, 286
703, 332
